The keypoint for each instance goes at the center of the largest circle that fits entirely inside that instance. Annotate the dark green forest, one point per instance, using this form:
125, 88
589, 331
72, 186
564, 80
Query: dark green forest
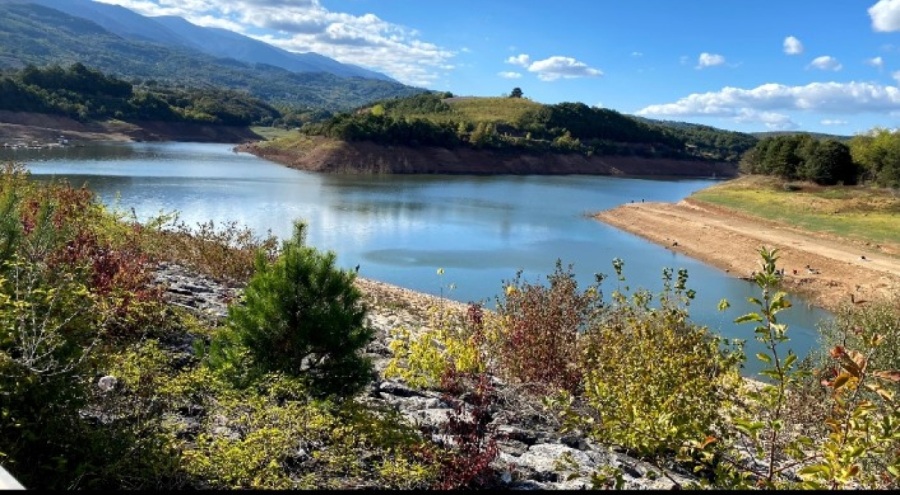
802, 157
87, 94
872, 157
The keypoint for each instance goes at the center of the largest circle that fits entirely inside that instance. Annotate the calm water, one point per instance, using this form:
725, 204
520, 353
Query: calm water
401, 229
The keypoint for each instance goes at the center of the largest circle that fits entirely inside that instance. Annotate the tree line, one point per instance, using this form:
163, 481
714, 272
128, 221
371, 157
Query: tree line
427, 119
86, 94
873, 157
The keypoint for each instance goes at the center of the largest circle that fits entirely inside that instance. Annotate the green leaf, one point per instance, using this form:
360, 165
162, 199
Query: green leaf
748, 317
764, 358
816, 469
789, 360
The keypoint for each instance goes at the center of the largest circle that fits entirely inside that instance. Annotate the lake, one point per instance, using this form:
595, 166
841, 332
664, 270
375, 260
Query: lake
401, 229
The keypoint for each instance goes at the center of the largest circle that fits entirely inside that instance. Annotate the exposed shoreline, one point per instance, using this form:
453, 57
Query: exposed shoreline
28, 128
730, 242
318, 154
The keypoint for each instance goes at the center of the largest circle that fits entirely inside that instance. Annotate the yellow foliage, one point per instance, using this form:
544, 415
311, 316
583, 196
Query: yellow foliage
421, 358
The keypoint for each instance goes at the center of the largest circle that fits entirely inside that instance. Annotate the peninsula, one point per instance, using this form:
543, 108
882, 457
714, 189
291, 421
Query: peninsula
438, 133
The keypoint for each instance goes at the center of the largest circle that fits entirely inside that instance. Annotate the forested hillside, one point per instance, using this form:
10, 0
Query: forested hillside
86, 94
439, 119
41, 36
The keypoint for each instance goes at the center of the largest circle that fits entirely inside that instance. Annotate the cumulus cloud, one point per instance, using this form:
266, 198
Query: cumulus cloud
509, 75
709, 60
896, 76
556, 67
885, 15
521, 59
792, 46
553, 68
876, 62
764, 102
833, 122
825, 62
773, 121
307, 26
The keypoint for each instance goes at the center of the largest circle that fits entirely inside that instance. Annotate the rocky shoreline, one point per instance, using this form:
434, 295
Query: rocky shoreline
531, 447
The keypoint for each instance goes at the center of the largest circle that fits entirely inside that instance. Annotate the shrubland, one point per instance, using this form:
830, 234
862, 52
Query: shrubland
97, 391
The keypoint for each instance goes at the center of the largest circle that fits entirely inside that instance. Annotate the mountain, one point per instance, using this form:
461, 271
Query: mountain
33, 33
221, 43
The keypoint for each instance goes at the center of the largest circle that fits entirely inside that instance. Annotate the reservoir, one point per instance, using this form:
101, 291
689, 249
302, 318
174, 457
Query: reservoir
401, 229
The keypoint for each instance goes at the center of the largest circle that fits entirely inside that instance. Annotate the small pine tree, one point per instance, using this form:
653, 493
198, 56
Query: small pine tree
303, 317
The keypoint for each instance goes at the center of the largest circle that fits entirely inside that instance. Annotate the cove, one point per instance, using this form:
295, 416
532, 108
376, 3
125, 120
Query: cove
401, 229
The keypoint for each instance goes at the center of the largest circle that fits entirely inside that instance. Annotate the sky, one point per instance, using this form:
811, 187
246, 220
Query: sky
829, 66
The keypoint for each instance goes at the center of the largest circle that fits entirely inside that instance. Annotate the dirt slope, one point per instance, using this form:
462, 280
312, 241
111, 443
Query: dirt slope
731, 243
26, 128
325, 155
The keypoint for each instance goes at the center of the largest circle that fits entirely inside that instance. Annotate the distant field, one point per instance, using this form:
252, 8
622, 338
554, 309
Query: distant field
861, 213
476, 109
270, 133
493, 109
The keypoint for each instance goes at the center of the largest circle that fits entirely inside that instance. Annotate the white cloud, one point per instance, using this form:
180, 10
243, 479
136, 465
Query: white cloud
307, 26
792, 46
637, 54
772, 120
834, 122
885, 15
509, 75
876, 62
825, 62
832, 97
896, 76
556, 67
709, 60
521, 59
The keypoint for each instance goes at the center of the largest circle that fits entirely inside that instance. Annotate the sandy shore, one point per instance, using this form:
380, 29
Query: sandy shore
842, 272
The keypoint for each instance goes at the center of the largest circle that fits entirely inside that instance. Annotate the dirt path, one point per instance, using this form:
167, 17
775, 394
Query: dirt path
842, 271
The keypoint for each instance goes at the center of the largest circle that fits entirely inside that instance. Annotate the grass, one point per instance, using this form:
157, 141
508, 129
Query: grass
494, 110
856, 212
270, 133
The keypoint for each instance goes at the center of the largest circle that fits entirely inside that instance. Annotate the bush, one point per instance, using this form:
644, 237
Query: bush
653, 381
303, 317
539, 339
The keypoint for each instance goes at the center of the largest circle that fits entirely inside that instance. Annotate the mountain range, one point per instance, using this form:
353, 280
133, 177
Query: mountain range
174, 51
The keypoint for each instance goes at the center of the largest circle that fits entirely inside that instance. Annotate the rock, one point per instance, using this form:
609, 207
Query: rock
533, 454
549, 461
107, 383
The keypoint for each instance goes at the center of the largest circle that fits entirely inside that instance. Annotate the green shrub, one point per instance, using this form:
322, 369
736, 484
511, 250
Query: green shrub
303, 317
652, 381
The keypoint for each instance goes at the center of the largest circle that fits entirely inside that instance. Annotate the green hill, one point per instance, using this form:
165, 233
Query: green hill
440, 119
86, 95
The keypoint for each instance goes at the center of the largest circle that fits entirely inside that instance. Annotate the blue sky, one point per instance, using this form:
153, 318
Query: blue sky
817, 65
